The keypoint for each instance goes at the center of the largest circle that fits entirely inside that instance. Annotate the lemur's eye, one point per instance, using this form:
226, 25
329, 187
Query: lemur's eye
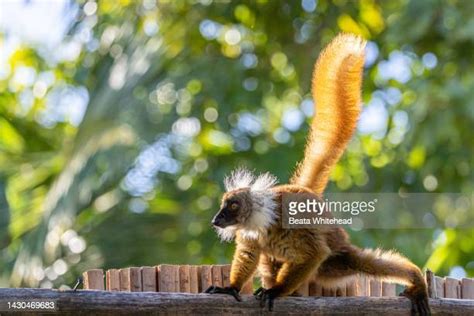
234, 206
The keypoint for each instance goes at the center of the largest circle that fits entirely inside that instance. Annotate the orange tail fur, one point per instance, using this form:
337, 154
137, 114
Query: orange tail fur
336, 86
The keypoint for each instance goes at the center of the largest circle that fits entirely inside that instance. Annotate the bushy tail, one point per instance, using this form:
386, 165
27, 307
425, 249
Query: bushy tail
336, 86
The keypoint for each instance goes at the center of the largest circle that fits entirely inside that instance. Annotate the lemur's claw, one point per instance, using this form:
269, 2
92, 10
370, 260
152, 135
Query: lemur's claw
224, 290
419, 303
258, 293
265, 295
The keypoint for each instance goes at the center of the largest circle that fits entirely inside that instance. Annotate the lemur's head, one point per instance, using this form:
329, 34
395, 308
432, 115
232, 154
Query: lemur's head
248, 205
236, 207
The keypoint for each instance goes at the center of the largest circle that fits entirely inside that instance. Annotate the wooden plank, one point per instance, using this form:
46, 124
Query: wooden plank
124, 279
225, 275
94, 279
216, 272
303, 290
121, 303
135, 278
363, 286
157, 269
431, 283
341, 291
351, 288
375, 287
130, 280
167, 278
184, 279
193, 279
176, 278
206, 277
439, 281
325, 292
467, 288
329, 292
389, 289
314, 288
148, 279
199, 271
113, 280
452, 288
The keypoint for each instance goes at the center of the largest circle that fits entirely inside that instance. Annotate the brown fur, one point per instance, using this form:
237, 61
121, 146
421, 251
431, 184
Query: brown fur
286, 258
325, 251
336, 89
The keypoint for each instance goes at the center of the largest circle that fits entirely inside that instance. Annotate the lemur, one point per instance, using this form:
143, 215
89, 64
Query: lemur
251, 208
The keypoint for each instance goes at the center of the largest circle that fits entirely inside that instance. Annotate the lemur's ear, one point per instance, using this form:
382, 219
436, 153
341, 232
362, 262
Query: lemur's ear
244, 178
264, 182
239, 178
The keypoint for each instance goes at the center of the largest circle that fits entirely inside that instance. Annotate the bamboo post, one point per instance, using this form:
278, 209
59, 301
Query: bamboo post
94, 279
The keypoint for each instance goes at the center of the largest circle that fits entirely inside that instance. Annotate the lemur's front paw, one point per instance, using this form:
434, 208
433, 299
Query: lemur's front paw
224, 290
419, 302
265, 295
258, 293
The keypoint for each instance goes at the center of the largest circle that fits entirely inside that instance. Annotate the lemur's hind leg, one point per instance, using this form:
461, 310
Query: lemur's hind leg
389, 266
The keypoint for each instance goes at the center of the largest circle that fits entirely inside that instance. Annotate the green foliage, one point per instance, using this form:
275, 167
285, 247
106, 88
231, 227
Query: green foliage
180, 93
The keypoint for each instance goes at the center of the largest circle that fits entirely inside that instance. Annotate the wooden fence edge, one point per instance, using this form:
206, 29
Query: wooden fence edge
111, 303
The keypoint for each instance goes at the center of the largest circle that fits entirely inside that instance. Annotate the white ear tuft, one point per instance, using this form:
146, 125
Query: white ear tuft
244, 178
264, 182
239, 178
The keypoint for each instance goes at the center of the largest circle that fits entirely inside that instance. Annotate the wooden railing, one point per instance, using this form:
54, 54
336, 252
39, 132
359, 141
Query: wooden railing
177, 290
196, 279
87, 302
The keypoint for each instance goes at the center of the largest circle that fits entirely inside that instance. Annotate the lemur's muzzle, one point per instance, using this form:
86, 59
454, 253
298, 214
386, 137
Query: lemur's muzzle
219, 220
223, 218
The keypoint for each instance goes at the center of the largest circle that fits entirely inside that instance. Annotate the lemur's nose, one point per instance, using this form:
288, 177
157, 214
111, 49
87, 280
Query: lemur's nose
217, 220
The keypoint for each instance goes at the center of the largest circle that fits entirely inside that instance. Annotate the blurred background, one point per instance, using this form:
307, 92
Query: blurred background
119, 120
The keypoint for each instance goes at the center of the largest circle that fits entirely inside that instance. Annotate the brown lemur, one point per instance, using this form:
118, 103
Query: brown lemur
251, 208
